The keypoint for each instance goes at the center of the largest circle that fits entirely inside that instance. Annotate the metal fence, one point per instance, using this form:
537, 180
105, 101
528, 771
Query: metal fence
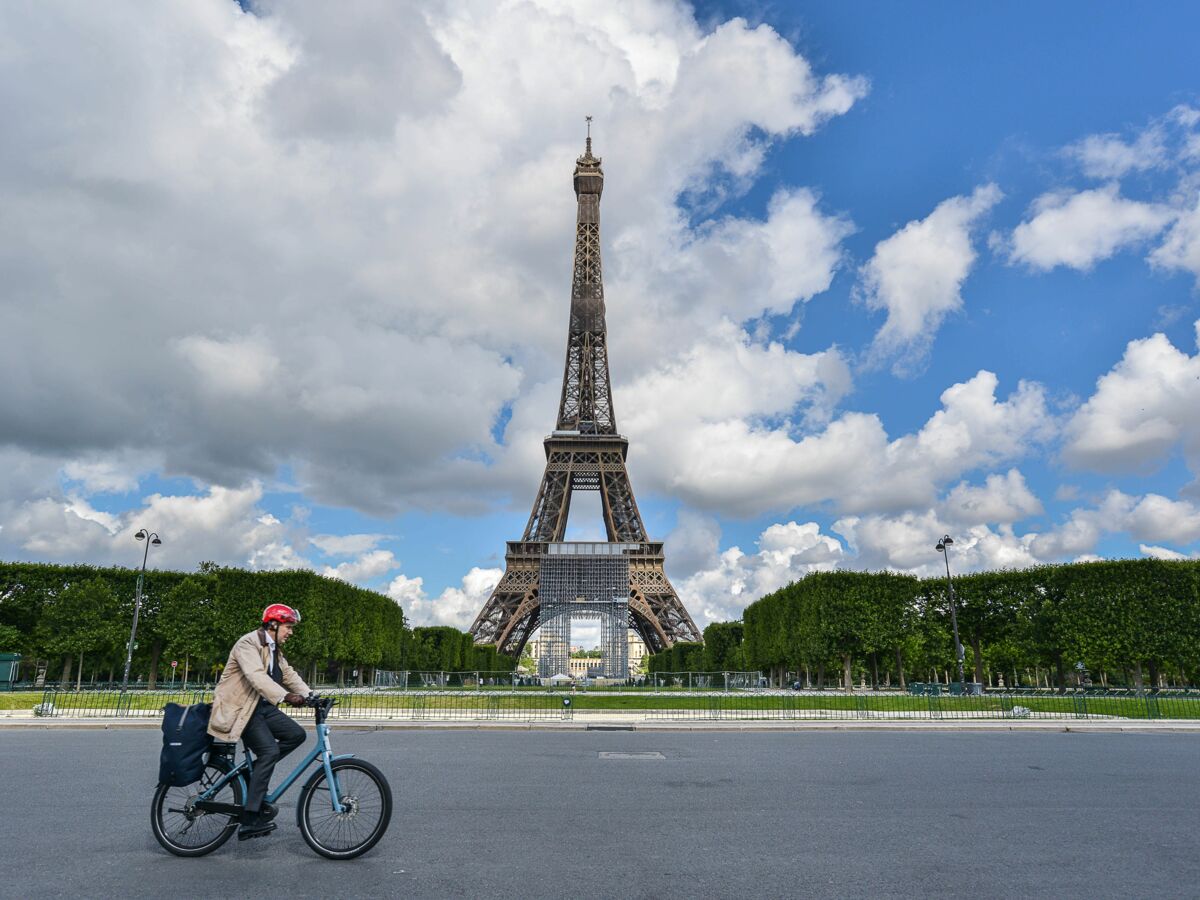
818, 705
541, 705
352, 704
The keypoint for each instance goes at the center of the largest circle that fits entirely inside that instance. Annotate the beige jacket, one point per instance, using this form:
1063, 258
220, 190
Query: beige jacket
244, 681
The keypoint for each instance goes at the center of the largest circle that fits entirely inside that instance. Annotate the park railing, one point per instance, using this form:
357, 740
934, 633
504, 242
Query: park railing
352, 704
516, 704
826, 705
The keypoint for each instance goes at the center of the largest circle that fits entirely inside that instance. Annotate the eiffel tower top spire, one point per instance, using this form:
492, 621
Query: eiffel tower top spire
586, 403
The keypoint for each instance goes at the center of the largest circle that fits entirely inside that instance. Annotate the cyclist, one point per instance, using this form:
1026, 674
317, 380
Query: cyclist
245, 705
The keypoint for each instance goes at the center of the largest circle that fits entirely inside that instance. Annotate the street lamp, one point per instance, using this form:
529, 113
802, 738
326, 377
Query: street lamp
943, 547
150, 538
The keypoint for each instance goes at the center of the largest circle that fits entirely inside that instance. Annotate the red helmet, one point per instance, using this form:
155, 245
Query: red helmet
281, 613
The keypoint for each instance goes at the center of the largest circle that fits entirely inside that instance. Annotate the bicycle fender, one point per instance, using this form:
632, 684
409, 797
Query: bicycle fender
314, 777
320, 770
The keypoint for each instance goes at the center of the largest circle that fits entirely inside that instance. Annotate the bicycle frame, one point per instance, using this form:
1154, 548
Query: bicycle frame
322, 750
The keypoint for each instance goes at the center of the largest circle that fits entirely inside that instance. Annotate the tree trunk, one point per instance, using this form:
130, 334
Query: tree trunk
1137, 676
66, 673
807, 677
900, 668
341, 682
977, 649
821, 676
79, 673
1059, 675
847, 675
874, 671
155, 653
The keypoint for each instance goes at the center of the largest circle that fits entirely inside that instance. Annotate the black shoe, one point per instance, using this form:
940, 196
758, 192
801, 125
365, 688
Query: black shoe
269, 811
255, 825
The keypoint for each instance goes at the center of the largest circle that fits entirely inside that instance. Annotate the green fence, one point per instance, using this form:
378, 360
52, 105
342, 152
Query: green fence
352, 704
668, 705
860, 706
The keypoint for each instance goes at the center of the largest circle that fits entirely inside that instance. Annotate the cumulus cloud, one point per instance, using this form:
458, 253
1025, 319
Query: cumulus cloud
733, 579
455, 606
906, 543
916, 275
1181, 247
1164, 553
1080, 229
366, 567
1106, 156
295, 239
1002, 498
1144, 408
1149, 518
225, 525
718, 461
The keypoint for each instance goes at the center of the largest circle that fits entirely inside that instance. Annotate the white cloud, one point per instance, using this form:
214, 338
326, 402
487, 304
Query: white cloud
1149, 518
1108, 156
1002, 499
224, 525
737, 465
1142, 410
455, 606
103, 475
241, 366
1080, 229
1181, 247
366, 567
918, 272
732, 580
906, 543
1165, 553
303, 245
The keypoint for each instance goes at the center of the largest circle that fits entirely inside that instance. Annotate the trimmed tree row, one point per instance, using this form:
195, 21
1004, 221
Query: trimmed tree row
1123, 622
78, 617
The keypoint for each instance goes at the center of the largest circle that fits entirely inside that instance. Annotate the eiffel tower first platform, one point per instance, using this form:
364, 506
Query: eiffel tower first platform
585, 453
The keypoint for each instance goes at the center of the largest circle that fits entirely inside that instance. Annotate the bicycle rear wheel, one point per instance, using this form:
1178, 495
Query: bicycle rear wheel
186, 831
364, 791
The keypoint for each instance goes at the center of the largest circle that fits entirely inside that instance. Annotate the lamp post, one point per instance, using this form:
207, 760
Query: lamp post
943, 547
150, 538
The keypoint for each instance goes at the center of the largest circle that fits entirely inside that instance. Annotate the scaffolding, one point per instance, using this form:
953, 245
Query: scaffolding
579, 580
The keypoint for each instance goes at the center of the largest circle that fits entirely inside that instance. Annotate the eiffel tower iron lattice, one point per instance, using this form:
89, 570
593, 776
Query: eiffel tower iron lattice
585, 453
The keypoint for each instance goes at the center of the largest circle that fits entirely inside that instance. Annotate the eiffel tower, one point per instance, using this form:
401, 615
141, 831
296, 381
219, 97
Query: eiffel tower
585, 453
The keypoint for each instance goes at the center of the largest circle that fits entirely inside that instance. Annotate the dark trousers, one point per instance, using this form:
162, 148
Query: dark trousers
270, 736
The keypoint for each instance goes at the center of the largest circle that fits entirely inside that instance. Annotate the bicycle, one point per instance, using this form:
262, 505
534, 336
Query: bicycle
197, 819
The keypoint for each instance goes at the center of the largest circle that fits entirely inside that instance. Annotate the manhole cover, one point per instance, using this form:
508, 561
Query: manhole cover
637, 754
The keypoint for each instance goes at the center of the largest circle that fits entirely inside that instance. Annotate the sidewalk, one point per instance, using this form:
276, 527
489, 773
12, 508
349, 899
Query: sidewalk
18, 719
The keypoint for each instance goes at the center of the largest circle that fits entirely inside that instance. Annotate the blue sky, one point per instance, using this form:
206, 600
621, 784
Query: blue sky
291, 286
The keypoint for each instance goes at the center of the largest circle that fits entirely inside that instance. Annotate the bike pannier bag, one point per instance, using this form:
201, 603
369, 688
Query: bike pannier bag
185, 742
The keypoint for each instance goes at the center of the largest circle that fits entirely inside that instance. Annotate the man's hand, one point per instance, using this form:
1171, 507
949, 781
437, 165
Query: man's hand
294, 699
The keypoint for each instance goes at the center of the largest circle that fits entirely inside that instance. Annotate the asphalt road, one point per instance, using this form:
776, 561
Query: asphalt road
537, 814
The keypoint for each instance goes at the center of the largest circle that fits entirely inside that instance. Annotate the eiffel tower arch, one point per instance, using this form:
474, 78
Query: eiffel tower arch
585, 452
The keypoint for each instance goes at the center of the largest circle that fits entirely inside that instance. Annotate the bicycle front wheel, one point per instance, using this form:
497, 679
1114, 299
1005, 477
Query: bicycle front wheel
186, 831
367, 799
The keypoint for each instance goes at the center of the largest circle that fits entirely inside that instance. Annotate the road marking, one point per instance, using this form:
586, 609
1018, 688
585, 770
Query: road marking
639, 754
